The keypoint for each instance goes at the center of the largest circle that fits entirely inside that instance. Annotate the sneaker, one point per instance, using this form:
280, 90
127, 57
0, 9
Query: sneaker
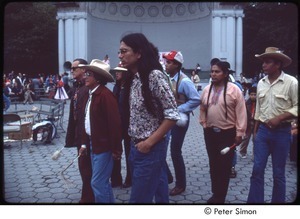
233, 173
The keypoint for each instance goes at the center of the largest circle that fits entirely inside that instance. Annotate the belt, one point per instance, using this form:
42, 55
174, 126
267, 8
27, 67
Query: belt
281, 125
217, 129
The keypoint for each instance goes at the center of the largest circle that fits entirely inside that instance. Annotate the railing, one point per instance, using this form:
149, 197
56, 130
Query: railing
50, 109
44, 93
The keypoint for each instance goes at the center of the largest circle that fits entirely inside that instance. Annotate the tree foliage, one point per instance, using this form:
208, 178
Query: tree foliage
30, 38
31, 35
270, 24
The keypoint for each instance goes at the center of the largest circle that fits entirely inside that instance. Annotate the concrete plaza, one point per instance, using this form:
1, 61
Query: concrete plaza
32, 177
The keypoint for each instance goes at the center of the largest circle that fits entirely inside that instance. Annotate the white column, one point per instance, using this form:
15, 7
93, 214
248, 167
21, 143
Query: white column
61, 44
69, 40
239, 46
82, 38
230, 40
223, 35
76, 39
216, 36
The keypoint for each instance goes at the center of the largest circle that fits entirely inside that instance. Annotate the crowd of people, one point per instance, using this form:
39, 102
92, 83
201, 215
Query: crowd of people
149, 109
28, 89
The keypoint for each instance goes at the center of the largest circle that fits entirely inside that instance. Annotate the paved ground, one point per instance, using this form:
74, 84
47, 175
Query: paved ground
31, 176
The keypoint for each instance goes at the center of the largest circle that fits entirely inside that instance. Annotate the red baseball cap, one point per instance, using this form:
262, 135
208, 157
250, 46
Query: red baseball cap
174, 55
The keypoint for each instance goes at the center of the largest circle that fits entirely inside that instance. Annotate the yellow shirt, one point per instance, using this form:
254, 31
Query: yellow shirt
215, 116
277, 98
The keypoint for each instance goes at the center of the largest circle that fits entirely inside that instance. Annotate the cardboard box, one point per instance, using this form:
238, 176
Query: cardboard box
26, 129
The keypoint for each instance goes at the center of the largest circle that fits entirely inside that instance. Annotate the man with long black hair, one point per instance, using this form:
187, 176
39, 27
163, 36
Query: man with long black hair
224, 120
153, 112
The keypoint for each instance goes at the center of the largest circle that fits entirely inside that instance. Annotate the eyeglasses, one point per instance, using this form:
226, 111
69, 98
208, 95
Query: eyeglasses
123, 51
88, 74
74, 68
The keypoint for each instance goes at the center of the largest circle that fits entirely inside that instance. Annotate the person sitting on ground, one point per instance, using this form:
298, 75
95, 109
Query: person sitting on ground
17, 91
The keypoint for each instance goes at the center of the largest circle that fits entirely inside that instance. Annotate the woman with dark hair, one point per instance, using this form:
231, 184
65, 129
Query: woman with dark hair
152, 113
224, 120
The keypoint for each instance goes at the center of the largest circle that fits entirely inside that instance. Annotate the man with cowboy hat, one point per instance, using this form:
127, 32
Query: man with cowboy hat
102, 134
276, 106
121, 75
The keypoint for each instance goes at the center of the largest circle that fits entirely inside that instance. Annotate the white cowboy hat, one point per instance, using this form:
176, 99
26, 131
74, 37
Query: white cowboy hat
119, 69
273, 52
99, 67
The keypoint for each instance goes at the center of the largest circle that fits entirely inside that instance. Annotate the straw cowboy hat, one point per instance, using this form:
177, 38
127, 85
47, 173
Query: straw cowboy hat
275, 53
118, 69
99, 67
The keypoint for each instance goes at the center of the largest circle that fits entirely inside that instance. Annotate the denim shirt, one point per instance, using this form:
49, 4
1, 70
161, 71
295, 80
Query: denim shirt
187, 88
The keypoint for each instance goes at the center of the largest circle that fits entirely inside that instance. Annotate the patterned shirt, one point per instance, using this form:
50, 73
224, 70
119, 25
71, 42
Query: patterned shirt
142, 123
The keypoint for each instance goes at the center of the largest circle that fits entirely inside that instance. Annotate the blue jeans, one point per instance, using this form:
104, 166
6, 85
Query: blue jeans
161, 195
148, 172
178, 135
102, 165
6, 102
277, 143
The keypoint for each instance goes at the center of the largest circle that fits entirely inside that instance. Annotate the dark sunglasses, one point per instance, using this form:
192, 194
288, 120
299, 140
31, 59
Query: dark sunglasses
74, 68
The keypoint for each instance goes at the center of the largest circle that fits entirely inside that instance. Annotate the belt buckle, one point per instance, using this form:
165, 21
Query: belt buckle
216, 129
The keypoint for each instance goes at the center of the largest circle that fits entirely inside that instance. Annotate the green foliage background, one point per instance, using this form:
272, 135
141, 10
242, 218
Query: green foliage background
270, 24
31, 37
